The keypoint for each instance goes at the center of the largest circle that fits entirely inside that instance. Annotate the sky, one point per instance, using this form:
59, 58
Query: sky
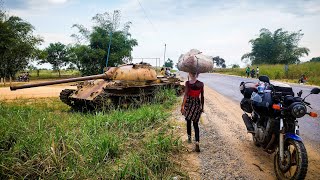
215, 27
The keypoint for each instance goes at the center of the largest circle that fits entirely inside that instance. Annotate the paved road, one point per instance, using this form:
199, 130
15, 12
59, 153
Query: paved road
229, 86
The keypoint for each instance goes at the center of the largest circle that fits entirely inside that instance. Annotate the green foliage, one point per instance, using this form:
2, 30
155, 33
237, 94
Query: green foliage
315, 59
17, 44
91, 59
168, 63
56, 55
310, 69
280, 47
42, 139
220, 62
235, 66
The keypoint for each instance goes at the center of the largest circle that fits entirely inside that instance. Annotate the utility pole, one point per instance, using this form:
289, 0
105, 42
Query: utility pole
164, 54
110, 36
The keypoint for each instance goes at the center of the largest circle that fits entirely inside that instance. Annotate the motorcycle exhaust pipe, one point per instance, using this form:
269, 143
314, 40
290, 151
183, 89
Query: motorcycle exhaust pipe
247, 121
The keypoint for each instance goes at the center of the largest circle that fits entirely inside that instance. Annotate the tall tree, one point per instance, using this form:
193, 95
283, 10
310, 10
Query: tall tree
106, 26
17, 44
220, 62
57, 56
168, 63
280, 47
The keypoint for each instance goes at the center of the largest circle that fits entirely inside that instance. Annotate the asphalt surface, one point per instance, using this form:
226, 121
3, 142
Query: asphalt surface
229, 87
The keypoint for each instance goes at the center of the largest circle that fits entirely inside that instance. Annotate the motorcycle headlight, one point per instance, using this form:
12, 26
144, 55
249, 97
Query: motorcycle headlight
298, 110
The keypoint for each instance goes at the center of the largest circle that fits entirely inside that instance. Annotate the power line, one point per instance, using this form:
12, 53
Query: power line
154, 28
146, 16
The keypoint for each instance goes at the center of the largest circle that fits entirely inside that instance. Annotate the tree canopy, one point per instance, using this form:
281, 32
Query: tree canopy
168, 63
220, 62
57, 55
280, 47
17, 44
92, 48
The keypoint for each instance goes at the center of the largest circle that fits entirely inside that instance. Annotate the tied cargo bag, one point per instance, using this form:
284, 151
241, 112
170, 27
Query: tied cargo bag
195, 62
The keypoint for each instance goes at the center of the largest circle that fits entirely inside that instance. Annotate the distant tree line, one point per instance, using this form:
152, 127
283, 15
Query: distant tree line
18, 46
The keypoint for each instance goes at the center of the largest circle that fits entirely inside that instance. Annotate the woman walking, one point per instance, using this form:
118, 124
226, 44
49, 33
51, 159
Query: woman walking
192, 106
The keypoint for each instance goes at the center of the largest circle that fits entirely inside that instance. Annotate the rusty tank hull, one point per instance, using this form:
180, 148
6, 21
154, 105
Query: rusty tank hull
123, 86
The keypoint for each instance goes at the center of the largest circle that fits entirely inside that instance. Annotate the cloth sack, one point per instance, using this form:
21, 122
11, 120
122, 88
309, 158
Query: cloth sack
195, 62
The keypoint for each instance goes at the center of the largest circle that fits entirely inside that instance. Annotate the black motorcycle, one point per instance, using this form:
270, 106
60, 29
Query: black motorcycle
271, 115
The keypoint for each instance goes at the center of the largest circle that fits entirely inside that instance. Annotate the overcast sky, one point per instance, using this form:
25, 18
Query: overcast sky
215, 27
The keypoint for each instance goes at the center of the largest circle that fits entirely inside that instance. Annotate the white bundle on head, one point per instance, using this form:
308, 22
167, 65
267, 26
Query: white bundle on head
195, 62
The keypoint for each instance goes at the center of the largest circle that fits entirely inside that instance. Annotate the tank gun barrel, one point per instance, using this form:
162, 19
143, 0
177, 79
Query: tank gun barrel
99, 76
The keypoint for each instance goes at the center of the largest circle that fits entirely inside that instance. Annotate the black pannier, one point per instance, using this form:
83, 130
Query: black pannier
285, 90
262, 102
245, 105
247, 88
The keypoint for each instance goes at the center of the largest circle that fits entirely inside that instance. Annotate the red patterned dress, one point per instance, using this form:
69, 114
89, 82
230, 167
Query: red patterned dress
193, 106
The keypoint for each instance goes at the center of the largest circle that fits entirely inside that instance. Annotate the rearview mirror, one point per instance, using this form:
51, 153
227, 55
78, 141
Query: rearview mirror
264, 79
315, 91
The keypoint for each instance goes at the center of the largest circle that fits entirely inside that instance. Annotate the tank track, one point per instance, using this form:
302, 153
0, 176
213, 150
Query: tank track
64, 96
115, 100
75, 104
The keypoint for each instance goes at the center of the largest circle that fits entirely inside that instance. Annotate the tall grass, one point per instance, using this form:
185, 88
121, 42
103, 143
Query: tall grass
310, 69
43, 139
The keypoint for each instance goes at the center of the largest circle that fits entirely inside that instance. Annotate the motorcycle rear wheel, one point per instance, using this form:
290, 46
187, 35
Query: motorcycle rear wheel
295, 163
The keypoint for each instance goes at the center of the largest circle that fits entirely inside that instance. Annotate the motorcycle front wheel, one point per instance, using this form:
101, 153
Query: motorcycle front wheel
295, 162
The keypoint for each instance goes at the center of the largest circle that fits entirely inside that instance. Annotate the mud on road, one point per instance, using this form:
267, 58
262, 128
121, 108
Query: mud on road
227, 150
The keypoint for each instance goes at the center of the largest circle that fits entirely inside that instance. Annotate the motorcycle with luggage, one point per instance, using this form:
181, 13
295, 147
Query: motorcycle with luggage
271, 115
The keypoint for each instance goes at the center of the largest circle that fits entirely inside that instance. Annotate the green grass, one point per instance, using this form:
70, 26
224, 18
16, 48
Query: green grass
43, 139
44, 75
50, 74
277, 72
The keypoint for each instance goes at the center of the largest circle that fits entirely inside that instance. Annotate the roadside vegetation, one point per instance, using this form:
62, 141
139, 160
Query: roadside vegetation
42, 138
277, 72
51, 74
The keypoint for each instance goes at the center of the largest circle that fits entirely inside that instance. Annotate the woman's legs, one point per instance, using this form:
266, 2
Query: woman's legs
189, 130
196, 134
196, 131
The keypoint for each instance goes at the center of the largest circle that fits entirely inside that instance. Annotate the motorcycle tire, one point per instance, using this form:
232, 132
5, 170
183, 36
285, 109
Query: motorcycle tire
298, 158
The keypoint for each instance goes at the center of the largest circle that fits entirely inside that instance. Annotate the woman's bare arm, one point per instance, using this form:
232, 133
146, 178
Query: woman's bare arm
202, 98
184, 98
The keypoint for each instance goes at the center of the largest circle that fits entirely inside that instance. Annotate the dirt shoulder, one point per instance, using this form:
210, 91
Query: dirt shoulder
227, 150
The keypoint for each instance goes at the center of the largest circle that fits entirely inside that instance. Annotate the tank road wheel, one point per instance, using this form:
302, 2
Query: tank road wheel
64, 96
295, 163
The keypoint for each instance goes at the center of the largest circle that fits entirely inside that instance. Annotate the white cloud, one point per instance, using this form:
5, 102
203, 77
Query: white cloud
58, 1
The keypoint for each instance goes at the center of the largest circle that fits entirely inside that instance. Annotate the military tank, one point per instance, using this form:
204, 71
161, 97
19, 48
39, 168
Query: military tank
122, 86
